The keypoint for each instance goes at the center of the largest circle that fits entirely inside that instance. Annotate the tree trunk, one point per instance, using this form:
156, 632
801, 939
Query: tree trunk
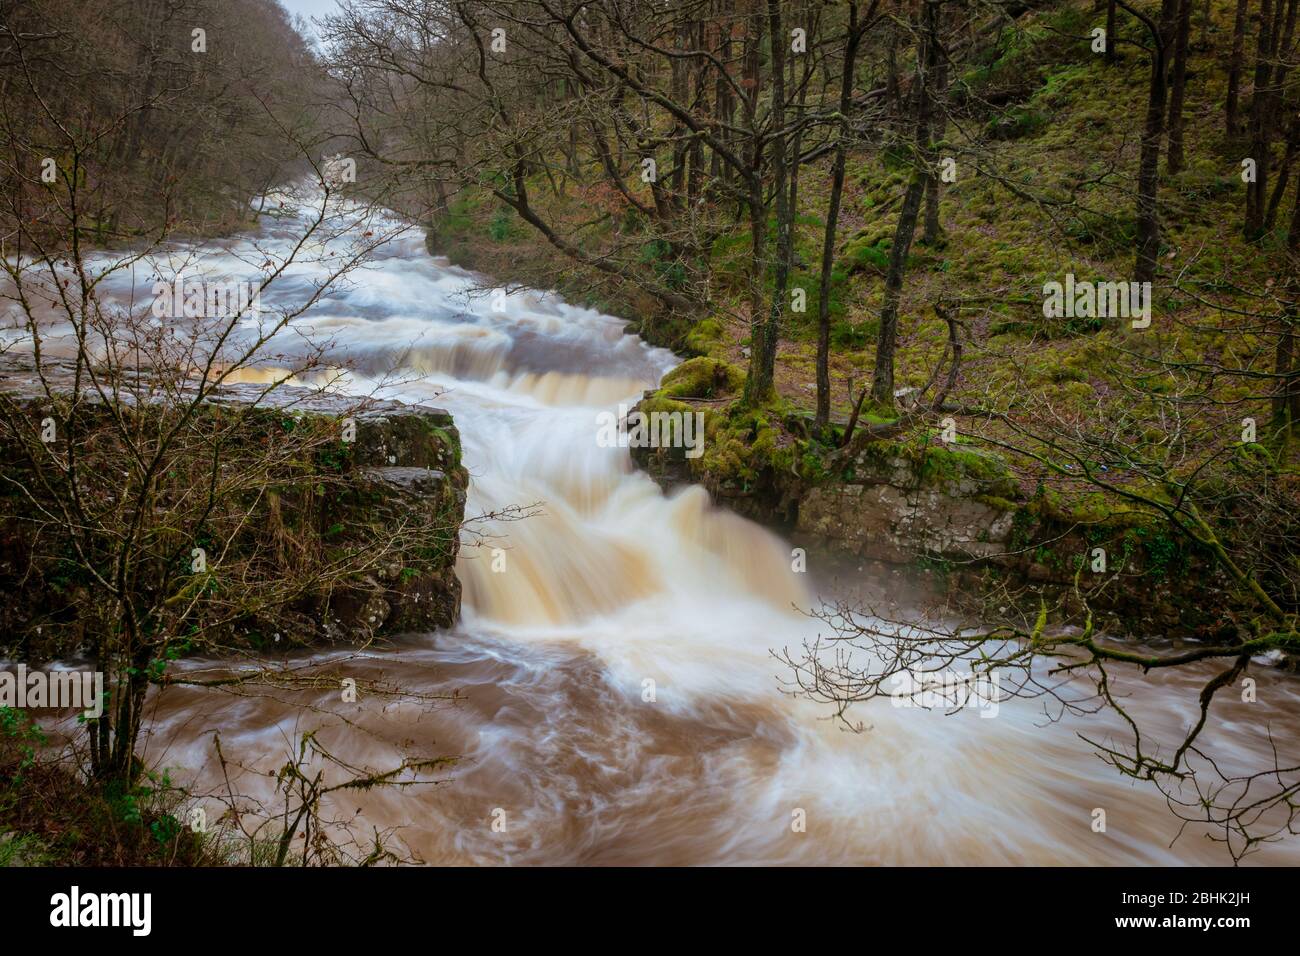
1234, 67
1260, 123
1293, 234
1286, 397
1148, 210
1283, 175
939, 124
760, 386
892, 94
762, 361
1175, 159
1283, 54
882, 382
723, 101
832, 224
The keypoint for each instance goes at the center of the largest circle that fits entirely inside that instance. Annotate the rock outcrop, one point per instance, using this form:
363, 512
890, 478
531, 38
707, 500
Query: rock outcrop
954, 512
888, 506
402, 469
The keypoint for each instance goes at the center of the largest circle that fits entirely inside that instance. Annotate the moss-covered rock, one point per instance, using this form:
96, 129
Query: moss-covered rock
899, 501
401, 469
705, 337
702, 378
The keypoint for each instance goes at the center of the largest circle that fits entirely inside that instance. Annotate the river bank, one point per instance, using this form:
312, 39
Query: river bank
984, 530
961, 514
397, 464
610, 694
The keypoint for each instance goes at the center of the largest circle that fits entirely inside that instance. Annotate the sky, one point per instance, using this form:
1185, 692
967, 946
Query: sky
309, 8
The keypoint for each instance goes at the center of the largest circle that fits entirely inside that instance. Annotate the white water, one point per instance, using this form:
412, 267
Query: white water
614, 584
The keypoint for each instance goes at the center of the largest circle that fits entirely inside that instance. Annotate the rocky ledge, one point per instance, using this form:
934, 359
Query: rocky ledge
956, 513
402, 468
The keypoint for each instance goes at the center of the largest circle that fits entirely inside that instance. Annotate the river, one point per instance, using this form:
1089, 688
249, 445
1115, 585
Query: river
615, 584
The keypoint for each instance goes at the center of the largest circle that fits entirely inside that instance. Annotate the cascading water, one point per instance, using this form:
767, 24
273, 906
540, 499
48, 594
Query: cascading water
613, 585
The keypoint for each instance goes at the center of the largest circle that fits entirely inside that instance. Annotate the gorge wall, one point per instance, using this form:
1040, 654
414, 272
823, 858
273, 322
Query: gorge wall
957, 514
403, 468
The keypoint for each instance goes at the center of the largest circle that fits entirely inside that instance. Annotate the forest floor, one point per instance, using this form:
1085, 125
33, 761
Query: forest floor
1044, 188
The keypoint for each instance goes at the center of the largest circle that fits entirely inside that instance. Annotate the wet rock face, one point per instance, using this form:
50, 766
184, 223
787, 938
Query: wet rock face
959, 514
403, 470
891, 511
884, 503
886, 523
396, 598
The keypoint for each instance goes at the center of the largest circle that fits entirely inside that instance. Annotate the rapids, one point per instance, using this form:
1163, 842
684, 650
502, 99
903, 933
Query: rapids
615, 584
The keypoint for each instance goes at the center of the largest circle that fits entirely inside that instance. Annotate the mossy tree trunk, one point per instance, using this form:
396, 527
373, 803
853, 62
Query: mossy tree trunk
766, 321
853, 40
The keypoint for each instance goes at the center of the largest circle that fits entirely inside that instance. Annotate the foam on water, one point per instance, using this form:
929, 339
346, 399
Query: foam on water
614, 584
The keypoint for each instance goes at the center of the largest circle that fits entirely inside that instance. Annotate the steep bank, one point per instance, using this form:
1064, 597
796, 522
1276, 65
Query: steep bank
959, 513
404, 465
1028, 94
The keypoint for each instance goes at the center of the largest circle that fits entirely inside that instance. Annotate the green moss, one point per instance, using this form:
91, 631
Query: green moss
853, 335
948, 463
449, 442
661, 403
868, 251
1091, 508
1018, 124
741, 443
705, 336
702, 378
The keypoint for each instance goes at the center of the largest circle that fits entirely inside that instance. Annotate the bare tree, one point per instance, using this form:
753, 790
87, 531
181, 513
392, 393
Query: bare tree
181, 509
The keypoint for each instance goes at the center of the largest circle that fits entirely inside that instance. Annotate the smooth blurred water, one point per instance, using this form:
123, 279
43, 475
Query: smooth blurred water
613, 584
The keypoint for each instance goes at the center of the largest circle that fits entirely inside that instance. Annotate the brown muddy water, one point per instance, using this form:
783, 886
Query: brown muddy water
614, 584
